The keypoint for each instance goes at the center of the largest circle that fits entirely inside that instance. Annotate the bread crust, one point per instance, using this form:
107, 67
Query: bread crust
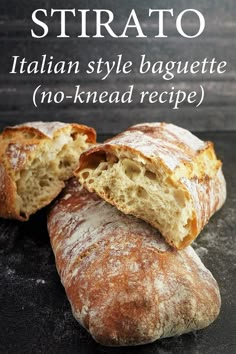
178, 154
17, 145
126, 286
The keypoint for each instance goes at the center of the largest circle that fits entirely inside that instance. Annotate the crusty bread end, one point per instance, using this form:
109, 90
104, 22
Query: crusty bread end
159, 173
35, 160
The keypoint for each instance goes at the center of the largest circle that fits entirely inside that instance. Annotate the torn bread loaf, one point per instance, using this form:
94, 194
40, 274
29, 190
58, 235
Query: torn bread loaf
125, 284
35, 160
160, 173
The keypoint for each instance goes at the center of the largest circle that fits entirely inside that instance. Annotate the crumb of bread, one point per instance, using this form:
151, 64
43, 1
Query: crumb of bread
46, 169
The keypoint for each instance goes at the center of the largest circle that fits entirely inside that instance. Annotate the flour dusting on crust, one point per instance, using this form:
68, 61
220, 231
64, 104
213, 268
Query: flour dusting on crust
47, 128
178, 144
126, 286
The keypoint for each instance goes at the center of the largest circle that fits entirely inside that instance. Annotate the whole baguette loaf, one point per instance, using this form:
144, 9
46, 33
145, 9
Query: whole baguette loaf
160, 173
126, 286
35, 160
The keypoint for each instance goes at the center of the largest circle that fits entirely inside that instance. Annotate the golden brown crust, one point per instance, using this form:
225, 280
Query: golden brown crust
126, 286
16, 146
7, 195
177, 153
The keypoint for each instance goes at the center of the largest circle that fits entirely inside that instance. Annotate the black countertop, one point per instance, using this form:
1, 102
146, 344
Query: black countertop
35, 316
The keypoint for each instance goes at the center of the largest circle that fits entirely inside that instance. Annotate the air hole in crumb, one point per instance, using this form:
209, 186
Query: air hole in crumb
44, 183
132, 170
91, 180
107, 191
94, 160
142, 193
85, 175
74, 136
150, 175
111, 159
64, 164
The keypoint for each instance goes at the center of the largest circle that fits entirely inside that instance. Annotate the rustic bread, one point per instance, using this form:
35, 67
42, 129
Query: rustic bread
160, 173
126, 286
35, 160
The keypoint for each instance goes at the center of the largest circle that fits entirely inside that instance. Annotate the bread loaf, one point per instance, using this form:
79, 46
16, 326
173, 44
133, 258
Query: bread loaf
126, 286
160, 173
35, 160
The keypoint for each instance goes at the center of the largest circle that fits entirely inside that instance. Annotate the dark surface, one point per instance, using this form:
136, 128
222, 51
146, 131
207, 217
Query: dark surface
218, 41
35, 316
